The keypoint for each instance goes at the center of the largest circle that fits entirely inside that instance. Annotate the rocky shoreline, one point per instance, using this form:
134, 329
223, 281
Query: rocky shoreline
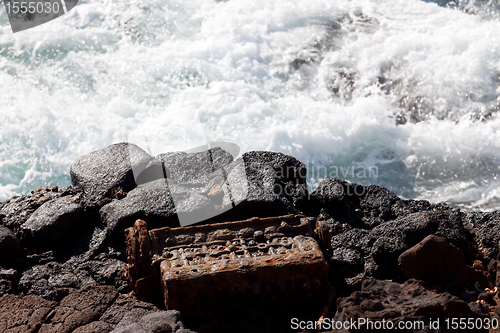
62, 249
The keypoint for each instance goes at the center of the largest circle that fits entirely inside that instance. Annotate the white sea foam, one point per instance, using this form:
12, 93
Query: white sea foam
326, 82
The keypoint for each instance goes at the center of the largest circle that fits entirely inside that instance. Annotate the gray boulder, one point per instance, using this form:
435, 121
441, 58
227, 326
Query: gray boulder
16, 210
158, 203
53, 224
272, 184
194, 168
104, 172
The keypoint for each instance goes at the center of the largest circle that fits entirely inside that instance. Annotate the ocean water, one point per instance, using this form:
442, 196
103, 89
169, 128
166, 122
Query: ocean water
399, 93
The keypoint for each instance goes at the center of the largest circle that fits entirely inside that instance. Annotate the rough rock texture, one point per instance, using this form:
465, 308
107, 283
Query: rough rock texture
151, 201
54, 281
436, 261
378, 300
54, 223
375, 251
103, 172
193, 168
486, 227
273, 184
80, 308
20, 314
91, 309
15, 211
72, 241
390, 239
7, 280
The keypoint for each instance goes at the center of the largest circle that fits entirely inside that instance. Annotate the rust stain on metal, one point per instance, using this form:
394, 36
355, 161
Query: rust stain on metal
200, 270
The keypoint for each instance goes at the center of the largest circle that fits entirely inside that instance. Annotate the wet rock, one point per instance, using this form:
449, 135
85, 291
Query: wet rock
52, 225
103, 172
80, 308
23, 314
390, 301
436, 261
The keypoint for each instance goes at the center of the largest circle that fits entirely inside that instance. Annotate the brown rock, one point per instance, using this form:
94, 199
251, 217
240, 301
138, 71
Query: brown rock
23, 314
390, 301
95, 327
80, 308
436, 261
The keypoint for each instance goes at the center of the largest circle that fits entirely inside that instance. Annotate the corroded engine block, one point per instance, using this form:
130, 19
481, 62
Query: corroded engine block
204, 269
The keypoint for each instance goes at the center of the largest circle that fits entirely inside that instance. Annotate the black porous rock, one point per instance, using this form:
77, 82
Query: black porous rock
52, 225
15, 211
272, 184
336, 200
53, 281
391, 239
103, 173
486, 227
154, 203
377, 202
345, 205
375, 252
390, 301
194, 168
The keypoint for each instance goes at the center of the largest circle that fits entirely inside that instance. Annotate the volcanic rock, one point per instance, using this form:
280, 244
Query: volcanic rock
10, 248
273, 184
436, 261
390, 301
104, 172
194, 168
375, 252
80, 308
16, 210
23, 314
486, 227
53, 224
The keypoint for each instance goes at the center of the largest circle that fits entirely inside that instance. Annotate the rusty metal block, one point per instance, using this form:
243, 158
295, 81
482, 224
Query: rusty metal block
200, 270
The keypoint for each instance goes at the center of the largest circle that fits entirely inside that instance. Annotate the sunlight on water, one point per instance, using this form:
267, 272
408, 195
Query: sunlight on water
410, 88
